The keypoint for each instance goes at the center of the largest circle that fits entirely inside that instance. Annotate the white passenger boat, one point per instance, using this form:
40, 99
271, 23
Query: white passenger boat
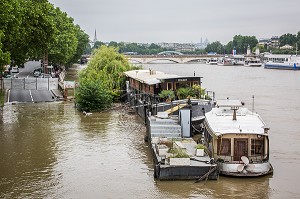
225, 61
238, 59
253, 61
212, 61
286, 62
237, 139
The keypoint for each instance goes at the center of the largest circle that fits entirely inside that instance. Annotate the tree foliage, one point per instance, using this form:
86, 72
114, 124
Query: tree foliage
216, 47
105, 69
167, 95
287, 39
92, 95
4, 56
241, 43
32, 28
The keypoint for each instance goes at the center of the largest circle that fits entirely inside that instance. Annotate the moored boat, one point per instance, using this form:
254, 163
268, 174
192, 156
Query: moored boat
225, 61
285, 62
237, 139
171, 124
253, 62
212, 61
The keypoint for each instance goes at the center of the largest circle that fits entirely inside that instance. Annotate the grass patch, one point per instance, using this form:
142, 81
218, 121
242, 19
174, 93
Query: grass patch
2, 97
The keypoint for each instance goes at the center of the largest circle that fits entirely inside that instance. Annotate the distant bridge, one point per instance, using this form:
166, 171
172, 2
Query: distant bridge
181, 59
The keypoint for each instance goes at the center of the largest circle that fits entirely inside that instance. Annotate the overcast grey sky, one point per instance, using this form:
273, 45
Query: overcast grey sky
182, 21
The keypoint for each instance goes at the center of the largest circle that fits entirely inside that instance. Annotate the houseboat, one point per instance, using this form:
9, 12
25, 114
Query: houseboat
171, 125
285, 62
237, 139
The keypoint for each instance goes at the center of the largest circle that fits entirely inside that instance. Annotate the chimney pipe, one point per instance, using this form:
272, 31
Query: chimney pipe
234, 114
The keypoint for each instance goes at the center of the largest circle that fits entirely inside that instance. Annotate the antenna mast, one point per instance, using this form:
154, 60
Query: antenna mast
252, 104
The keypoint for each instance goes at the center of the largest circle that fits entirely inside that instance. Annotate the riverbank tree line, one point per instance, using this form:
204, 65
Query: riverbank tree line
33, 30
239, 43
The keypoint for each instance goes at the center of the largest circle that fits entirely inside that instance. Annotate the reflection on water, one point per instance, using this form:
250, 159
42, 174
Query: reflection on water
50, 150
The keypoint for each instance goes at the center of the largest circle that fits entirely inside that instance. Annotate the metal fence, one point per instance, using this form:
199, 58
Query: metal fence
31, 83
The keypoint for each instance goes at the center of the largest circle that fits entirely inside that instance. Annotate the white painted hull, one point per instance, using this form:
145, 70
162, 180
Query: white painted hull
253, 64
231, 169
211, 63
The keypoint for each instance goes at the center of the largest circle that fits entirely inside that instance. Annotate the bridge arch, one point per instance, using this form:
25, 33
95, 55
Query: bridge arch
163, 59
170, 53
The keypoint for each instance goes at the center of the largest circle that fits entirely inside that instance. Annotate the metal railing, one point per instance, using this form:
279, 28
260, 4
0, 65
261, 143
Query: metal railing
237, 159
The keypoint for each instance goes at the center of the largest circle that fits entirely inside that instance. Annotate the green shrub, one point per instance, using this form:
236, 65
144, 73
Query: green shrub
167, 95
178, 153
200, 146
183, 93
92, 95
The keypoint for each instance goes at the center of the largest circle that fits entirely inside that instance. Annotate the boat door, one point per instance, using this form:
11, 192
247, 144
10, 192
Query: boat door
240, 148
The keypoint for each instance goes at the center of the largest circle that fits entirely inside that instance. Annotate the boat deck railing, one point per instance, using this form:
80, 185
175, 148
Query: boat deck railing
237, 159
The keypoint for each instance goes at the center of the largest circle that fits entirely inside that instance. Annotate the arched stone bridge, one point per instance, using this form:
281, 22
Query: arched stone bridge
181, 59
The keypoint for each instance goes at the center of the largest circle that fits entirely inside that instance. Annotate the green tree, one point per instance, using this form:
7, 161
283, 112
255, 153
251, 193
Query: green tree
105, 69
4, 56
97, 44
240, 43
64, 46
215, 47
83, 41
34, 28
229, 47
287, 39
92, 95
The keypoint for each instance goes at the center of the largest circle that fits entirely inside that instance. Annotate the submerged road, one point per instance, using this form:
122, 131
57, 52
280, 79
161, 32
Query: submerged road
15, 95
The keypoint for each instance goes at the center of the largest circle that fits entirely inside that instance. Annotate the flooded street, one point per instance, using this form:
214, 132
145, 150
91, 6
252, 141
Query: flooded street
50, 150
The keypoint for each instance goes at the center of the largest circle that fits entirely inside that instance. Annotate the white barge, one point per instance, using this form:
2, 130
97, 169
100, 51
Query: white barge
237, 139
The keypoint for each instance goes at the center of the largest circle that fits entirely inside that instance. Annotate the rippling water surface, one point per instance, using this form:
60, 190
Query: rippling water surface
50, 150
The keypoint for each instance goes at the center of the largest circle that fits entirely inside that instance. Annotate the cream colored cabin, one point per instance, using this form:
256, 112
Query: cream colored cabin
232, 131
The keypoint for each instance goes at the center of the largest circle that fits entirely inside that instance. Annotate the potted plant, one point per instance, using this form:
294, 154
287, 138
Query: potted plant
179, 157
200, 149
167, 95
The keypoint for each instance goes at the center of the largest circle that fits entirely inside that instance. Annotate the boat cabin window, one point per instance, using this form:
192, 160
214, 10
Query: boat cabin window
182, 85
257, 146
224, 147
195, 83
170, 86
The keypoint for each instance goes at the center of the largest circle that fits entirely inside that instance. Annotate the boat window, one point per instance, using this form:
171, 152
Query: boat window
257, 146
182, 85
170, 86
195, 83
224, 147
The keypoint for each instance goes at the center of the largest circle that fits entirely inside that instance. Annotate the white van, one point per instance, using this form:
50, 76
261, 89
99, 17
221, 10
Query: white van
14, 70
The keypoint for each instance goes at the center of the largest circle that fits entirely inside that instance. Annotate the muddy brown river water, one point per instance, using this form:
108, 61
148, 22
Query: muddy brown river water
50, 150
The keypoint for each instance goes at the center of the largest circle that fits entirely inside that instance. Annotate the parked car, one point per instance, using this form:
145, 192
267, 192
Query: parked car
37, 73
14, 70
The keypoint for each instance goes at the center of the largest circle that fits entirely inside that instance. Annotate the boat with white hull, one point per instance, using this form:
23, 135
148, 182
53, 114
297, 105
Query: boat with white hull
237, 139
212, 61
291, 62
225, 61
253, 62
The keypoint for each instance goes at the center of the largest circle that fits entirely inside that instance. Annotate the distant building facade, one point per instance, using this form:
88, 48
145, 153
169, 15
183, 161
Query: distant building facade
272, 42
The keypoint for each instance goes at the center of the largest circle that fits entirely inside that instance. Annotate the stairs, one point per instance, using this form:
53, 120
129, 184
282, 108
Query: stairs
167, 128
